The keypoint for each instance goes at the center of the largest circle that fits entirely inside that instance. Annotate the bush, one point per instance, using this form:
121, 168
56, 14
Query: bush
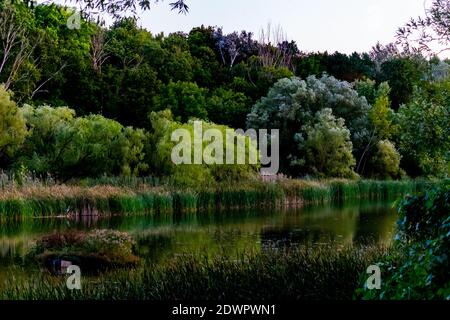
161, 146
12, 125
420, 267
329, 148
93, 251
67, 146
385, 163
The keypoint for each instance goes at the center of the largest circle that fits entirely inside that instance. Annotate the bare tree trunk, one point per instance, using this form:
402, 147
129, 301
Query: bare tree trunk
15, 45
98, 50
270, 53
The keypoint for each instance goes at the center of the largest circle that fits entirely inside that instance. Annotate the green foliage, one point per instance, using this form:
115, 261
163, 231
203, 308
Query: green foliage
421, 269
341, 66
381, 115
186, 100
125, 84
385, 162
161, 147
61, 55
424, 136
12, 125
66, 146
18, 70
291, 106
102, 146
380, 158
403, 74
323, 273
328, 147
228, 108
132, 146
367, 88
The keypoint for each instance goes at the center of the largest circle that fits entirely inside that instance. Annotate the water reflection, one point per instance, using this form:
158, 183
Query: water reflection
162, 237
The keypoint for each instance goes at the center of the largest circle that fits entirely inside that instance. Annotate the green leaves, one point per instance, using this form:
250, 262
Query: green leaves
292, 105
421, 268
424, 136
385, 162
185, 99
67, 146
12, 125
328, 147
192, 175
381, 115
228, 108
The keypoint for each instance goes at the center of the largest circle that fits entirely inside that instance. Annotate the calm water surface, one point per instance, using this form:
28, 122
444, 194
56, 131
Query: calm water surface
162, 237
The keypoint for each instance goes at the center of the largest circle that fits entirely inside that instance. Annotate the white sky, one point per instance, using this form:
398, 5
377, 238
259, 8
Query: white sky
316, 25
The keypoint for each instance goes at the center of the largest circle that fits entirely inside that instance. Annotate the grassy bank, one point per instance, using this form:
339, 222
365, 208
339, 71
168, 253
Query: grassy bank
134, 196
322, 273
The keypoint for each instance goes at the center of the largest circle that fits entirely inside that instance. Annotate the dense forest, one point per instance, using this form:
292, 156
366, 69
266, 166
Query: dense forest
96, 100
92, 113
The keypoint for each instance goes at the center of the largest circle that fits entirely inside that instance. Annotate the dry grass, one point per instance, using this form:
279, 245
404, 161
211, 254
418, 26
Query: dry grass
62, 192
50, 200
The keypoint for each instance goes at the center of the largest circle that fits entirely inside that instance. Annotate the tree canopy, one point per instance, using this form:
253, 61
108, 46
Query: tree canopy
61, 84
120, 7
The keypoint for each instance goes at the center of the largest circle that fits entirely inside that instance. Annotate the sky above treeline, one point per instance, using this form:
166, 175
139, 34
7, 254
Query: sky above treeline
316, 25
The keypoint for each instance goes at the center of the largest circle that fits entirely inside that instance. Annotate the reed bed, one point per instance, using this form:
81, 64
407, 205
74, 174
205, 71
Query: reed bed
129, 182
298, 274
138, 197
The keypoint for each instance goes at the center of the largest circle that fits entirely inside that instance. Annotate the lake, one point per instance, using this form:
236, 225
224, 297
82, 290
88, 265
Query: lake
162, 237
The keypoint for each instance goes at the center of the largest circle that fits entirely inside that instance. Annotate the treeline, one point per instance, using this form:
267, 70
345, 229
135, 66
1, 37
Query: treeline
53, 143
381, 114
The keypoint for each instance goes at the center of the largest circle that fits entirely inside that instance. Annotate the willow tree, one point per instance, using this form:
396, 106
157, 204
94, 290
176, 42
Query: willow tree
12, 125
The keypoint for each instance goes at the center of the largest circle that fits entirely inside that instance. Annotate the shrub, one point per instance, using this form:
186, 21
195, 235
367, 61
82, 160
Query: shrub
12, 125
161, 147
67, 146
328, 147
93, 251
420, 266
385, 163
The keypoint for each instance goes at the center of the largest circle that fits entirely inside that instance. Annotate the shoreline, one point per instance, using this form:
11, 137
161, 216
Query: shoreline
105, 200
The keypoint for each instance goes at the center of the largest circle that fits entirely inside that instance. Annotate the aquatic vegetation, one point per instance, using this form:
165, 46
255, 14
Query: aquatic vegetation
137, 197
300, 274
92, 251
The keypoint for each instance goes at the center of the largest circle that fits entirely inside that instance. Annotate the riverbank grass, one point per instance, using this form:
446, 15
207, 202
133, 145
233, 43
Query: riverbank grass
144, 198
